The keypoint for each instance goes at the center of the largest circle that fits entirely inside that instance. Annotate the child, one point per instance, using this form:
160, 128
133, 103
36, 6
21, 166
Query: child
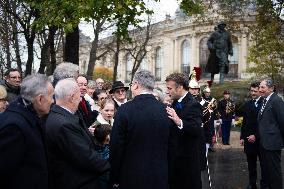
102, 138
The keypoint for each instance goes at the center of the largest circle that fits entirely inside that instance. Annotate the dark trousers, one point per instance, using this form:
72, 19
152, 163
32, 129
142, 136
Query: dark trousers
226, 128
271, 164
252, 168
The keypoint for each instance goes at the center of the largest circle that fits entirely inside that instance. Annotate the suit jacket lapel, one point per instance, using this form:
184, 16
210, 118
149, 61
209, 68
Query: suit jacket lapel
267, 105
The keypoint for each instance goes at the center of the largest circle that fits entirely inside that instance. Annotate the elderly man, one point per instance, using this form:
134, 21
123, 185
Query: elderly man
84, 109
139, 139
65, 70
12, 83
100, 82
118, 92
271, 132
73, 160
3, 97
23, 162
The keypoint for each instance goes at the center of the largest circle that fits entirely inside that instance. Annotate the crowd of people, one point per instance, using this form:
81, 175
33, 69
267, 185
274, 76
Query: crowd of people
66, 131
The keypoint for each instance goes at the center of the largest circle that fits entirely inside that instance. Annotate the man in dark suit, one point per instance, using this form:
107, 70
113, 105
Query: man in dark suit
271, 129
187, 114
72, 157
139, 139
84, 109
249, 135
23, 162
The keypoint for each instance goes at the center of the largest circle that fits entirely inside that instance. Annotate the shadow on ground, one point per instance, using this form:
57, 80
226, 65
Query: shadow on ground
228, 166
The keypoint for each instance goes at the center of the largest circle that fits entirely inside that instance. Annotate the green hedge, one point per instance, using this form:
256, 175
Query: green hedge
238, 89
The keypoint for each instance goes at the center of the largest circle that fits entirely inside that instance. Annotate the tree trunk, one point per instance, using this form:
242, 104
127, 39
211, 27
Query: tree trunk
45, 52
6, 38
15, 37
93, 55
52, 66
72, 46
30, 43
116, 59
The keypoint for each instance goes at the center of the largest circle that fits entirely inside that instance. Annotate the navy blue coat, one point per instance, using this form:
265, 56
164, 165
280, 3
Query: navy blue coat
250, 126
23, 162
139, 144
73, 161
185, 159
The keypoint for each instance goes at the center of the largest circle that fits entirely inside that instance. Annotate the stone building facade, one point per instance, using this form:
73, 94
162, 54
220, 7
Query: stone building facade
179, 45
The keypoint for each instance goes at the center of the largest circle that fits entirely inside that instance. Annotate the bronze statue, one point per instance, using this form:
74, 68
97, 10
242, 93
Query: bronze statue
219, 45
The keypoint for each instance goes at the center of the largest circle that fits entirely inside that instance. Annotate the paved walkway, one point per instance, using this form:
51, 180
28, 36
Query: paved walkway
228, 166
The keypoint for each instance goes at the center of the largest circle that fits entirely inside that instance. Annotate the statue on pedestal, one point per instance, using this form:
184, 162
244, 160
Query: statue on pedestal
220, 46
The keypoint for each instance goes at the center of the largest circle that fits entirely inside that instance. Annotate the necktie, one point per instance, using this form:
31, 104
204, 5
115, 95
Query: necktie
179, 105
263, 106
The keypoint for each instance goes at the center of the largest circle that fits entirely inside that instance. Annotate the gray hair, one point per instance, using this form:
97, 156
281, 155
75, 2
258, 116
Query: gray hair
65, 87
92, 84
159, 93
65, 70
145, 78
269, 82
34, 85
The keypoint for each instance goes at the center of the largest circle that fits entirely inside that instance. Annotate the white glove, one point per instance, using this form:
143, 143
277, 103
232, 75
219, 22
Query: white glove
233, 122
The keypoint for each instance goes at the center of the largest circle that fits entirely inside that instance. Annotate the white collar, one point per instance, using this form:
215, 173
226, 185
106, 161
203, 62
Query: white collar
119, 103
67, 109
101, 120
267, 98
256, 100
181, 98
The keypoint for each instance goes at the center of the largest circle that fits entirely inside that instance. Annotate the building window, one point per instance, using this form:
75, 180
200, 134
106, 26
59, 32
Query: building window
185, 66
144, 64
203, 56
158, 64
233, 60
129, 66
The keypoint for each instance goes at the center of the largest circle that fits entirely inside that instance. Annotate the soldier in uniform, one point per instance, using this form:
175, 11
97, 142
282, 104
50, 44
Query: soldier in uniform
226, 109
209, 115
219, 45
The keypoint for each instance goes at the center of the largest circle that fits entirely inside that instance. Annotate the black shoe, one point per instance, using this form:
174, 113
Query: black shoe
251, 187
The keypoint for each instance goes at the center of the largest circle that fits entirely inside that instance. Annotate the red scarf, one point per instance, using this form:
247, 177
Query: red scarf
83, 104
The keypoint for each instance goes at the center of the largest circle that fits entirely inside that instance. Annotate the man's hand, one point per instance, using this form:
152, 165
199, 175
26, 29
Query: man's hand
251, 138
173, 116
242, 142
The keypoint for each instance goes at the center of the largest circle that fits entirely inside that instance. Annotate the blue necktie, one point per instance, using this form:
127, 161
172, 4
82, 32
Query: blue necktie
179, 105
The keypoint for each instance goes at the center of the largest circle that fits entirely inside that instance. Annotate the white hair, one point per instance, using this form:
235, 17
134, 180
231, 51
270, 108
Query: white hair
65, 70
34, 85
65, 88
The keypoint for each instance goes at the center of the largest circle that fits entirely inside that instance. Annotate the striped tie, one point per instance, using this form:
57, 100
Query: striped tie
263, 106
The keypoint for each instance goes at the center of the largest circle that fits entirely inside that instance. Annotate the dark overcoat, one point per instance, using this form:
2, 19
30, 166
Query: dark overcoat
185, 160
139, 144
271, 124
250, 126
23, 162
72, 157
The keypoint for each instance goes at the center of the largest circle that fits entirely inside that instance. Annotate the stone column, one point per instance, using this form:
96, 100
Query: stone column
243, 53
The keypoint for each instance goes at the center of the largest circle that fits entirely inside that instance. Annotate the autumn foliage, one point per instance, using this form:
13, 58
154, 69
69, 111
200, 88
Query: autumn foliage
103, 72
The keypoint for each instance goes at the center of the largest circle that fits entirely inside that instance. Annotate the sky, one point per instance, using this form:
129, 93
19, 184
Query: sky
160, 10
